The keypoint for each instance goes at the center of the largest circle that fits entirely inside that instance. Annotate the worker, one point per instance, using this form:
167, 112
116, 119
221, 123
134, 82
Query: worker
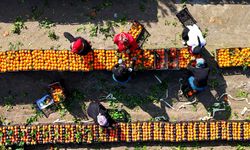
78, 45
100, 114
121, 73
193, 38
125, 42
198, 75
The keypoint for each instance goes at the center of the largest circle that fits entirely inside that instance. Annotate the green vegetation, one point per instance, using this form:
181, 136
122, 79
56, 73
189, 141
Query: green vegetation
15, 46
18, 25
46, 23
52, 35
241, 94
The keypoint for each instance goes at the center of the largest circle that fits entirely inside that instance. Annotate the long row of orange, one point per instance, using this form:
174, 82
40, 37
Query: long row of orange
126, 132
64, 60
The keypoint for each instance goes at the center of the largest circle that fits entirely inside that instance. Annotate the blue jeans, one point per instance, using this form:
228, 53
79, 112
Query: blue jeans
113, 76
193, 86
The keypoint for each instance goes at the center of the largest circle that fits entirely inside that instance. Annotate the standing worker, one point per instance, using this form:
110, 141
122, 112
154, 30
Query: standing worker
100, 114
78, 45
125, 42
193, 38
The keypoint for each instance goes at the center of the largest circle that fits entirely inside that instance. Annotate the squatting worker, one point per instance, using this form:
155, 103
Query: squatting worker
125, 42
198, 75
78, 45
100, 114
193, 38
121, 73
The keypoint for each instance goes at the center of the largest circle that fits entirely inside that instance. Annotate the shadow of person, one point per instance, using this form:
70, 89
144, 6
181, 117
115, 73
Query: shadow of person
215, 80
155, 111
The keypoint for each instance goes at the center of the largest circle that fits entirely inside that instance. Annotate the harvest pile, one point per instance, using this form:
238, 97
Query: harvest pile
233, 57
126, 132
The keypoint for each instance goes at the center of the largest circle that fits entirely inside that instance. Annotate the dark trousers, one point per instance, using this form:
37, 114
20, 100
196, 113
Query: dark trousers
185, 34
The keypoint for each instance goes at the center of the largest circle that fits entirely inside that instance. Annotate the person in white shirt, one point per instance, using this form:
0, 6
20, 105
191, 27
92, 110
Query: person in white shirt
193, 38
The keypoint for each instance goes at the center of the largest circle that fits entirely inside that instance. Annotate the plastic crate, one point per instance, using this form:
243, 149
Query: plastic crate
173, 59
185, 17
57, 92
139, 32
161, 59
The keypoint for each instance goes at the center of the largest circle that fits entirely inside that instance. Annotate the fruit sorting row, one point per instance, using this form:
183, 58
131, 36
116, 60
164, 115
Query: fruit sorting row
64, 60
126, 132
233, 57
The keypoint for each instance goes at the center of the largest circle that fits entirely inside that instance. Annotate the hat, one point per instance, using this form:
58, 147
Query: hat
102, 120
200, 62
77, 45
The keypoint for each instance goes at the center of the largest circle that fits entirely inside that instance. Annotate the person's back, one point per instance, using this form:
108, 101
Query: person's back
125, 42
200, 76
200, 72
99, 114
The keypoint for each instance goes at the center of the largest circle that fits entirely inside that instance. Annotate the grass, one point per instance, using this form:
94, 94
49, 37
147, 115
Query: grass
241, 94
15, 46
8, 102
156, 92
46, 23
236, 115
32, 119
81, 29
105, 4
205, 33
18, 26
93, 30
52, 35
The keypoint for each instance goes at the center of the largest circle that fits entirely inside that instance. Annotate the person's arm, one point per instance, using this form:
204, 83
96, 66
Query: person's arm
190, 66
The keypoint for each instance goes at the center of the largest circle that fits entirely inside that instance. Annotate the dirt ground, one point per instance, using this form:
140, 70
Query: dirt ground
226, 24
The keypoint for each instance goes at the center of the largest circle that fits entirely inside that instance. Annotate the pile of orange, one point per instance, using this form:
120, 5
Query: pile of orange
223, 58
99, 60
138, 54
125, 58
80, 63
233, 57
3, 65
126, 132
111, 59
148, 59
184, 58
135, 30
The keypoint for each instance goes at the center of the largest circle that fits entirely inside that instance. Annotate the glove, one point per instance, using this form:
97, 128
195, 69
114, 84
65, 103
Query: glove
120, 61
134, 58
127, 51
184, 43
192, 58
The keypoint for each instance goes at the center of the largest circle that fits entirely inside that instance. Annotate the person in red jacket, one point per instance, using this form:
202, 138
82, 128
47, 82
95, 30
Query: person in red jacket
125, 42
78, 45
